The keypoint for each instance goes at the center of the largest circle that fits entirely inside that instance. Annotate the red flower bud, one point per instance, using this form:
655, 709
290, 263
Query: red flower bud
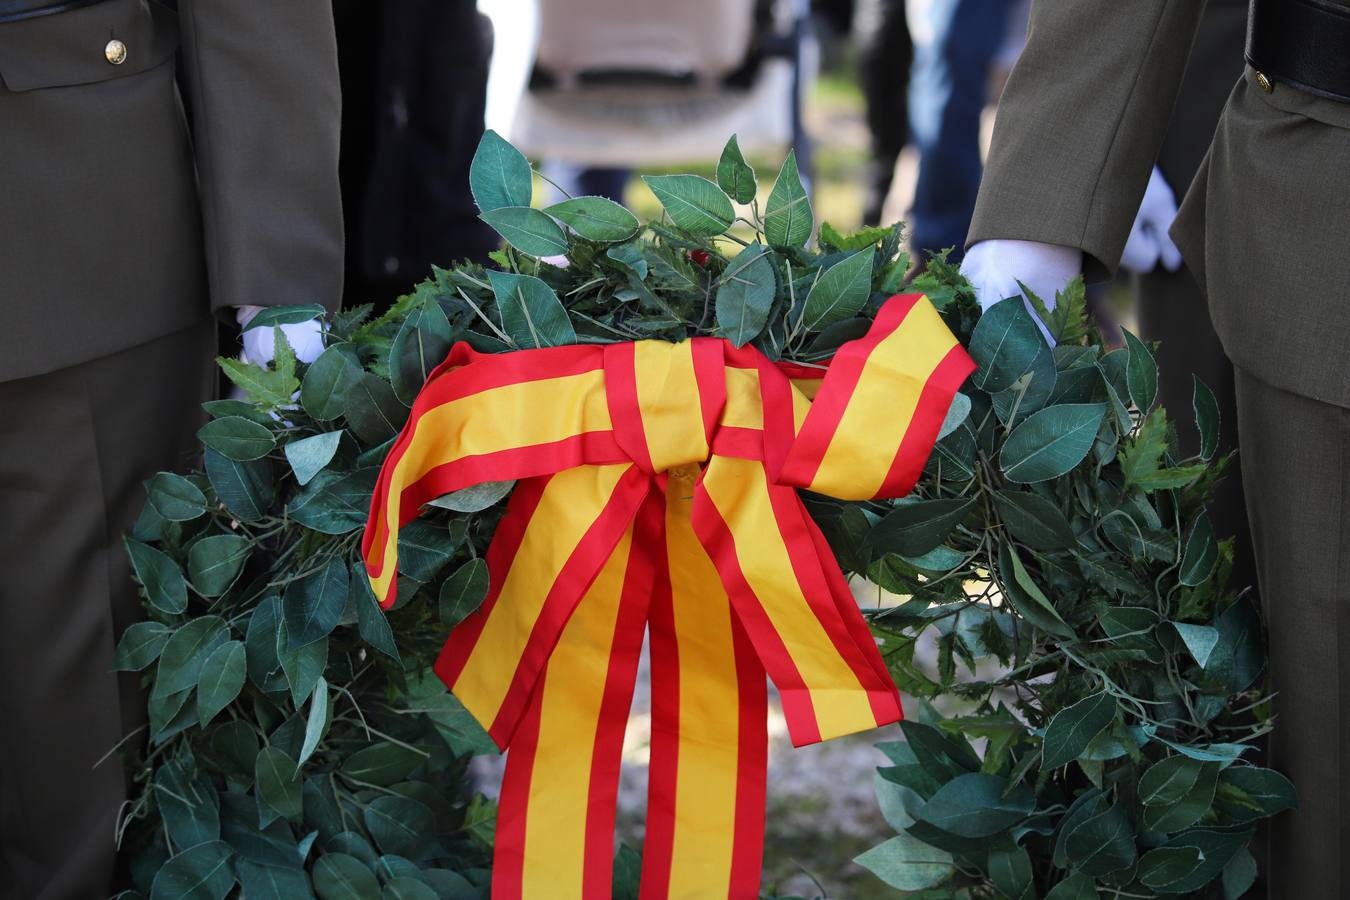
702, 257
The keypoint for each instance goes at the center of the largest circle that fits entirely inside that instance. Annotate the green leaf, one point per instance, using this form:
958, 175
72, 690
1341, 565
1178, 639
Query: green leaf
1163, 866
382, 763
1051, 442
976, 805
316, 723
338, 876
407, 888
1103, 843
1168, 807
1004, 345
1141, 373
422, 343
308, 456
463, 592
1207, 419
303, 666
198, 873
899, 804
175, 498
278, 785
400, 826
1239, 875
374, 412
745, 295
266, 387
734, 174
1265, 790
185, 653
313, 605
475, 498
1033, 520
272, 316
272, 882
221, 679
328, 380
1076, 887
1029, 600
1010, 870
787, 214
916, 528
335, 504
214, 562
862, 239
531, 313
499, 174
260, 641
188, 804
957, 414
840, 293
423, 548
247, 489
1169, 780
237, 438
908, 864
1200, 640
1202, 554
528, 230
140, 645
695, 204
596, 219
371, 623
163, 581
1072, 728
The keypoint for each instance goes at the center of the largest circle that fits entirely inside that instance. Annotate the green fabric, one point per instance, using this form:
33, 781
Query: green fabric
115, 226
75, 446
1296, 466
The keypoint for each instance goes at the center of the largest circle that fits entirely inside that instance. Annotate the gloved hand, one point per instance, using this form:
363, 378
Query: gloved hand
1149, 243
994, 268
305, 338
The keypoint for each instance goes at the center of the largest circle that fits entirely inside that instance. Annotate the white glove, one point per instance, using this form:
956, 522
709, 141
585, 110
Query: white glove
1149, 243
995, 267
305, 338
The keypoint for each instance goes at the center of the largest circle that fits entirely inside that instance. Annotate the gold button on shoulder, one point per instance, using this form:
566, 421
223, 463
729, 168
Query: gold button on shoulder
1262, 80
115, 52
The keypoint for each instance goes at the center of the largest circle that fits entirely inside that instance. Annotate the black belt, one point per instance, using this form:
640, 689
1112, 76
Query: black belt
1302, 43
14, 10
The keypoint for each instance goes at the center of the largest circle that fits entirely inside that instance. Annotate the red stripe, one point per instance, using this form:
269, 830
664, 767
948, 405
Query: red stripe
827, 410
574, 579
663, 768
752, 762
508, 856
886, 707
607, 753
710, 374
717, 539
624, 412
809, 568
934, 401
742, 443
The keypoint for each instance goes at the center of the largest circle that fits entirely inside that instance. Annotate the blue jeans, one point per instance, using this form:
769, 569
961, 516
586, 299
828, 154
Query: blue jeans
955, 42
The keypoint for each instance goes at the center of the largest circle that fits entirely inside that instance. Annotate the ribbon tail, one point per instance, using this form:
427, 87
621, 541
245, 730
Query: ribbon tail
823, 664
557, 535
705, 810
565, 756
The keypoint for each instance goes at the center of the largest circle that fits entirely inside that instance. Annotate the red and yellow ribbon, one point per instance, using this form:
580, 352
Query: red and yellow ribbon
658, 494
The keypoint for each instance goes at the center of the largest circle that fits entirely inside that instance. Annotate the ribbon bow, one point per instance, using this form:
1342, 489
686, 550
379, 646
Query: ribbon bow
657, 494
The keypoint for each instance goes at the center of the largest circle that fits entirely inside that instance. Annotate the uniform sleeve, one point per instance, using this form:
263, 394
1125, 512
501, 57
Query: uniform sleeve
266, 110
1081, 122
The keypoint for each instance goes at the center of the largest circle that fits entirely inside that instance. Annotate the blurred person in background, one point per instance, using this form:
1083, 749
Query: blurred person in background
414, 84
123, 231
885, 56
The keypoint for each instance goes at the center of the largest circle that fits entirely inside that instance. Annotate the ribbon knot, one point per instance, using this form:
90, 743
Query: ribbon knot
657, 494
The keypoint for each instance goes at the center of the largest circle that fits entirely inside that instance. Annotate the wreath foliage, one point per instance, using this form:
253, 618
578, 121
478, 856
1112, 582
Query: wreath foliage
1087, 726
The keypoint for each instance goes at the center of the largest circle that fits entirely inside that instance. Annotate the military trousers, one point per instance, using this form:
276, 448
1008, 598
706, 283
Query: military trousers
1295, 454
75, 447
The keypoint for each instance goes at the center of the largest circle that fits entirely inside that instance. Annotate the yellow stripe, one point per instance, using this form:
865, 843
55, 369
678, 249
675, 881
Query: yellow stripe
668, 397
745, 408
882, 405
570, 504
504, 418
573, 688
738, 488
709, 728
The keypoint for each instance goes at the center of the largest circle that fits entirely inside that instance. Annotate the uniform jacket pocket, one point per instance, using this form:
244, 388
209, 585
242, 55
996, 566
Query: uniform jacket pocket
100, 42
